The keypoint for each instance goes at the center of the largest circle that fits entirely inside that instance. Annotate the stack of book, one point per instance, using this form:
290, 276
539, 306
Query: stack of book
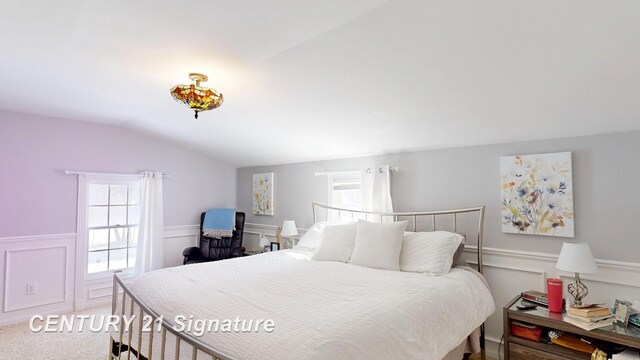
589, 317
536, 297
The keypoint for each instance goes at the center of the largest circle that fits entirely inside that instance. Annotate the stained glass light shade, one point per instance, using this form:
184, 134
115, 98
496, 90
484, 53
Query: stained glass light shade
196, 97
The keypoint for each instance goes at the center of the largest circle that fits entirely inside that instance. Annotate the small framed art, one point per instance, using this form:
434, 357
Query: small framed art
622, 310
263, 194
275, 246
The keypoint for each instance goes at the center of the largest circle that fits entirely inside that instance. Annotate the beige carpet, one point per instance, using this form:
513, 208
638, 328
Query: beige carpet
18, 342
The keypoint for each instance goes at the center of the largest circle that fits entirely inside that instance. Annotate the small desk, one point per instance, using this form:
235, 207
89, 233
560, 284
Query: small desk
517, 348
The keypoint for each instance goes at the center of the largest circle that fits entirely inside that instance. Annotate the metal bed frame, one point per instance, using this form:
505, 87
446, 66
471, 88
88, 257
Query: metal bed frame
117, 346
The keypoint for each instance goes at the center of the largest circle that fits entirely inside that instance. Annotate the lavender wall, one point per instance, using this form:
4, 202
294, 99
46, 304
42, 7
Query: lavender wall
36, 197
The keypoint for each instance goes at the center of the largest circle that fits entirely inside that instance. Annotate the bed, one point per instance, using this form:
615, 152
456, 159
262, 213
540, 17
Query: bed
320, 309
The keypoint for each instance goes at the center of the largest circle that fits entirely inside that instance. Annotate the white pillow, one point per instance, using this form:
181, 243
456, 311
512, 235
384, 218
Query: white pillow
378, 245
311, 238
336, 243
429, 252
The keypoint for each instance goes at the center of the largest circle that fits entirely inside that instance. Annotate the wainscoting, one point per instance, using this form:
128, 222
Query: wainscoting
176, 239
48, 261
46, 264
37, 274
510, 272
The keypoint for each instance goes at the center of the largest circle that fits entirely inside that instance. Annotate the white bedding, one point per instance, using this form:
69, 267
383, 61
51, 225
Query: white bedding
321, 309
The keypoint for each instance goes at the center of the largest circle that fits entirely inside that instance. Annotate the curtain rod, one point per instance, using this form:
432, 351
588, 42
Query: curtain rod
74, 172
353, 172
320, 173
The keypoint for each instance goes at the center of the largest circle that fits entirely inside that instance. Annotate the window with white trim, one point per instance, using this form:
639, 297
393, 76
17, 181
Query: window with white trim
345, 192
112, 218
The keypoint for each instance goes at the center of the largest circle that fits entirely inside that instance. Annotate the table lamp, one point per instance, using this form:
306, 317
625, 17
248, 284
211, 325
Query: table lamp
289, 230
577, 258
264, 243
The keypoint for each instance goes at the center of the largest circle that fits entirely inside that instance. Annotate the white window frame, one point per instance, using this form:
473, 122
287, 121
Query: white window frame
348, 179
82, 242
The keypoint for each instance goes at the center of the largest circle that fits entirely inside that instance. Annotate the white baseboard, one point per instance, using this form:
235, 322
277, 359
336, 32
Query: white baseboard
15, 319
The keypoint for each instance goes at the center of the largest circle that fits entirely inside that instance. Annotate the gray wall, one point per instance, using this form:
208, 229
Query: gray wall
606, 178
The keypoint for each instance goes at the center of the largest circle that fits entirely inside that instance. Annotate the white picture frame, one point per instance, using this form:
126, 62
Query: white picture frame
263, 191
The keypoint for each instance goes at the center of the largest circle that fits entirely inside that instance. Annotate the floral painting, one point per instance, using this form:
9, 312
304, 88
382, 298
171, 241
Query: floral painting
537, 194
263, 194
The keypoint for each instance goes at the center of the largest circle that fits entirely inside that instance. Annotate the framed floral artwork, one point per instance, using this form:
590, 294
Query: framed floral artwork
263, 194
537, 194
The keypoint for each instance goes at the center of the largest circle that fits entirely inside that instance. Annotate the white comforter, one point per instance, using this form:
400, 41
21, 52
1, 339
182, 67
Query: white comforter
321, 310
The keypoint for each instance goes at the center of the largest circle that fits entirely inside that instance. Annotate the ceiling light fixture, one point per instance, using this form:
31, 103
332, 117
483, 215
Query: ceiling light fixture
196, 97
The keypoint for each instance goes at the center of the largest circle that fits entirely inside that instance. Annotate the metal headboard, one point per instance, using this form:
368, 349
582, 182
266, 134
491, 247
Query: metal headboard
395, 216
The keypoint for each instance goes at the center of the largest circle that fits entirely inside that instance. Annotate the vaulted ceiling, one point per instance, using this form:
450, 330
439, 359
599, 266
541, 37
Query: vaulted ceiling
318, 79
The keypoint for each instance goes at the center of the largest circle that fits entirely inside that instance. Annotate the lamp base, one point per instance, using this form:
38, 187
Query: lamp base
578, 290
289, 243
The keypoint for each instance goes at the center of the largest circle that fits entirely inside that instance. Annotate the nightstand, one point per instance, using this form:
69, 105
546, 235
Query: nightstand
517, 348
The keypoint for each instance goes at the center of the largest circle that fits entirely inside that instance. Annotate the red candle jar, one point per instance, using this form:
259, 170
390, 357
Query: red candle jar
554, 293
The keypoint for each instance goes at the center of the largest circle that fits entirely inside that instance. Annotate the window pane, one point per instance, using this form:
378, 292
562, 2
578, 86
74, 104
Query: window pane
134, 194
98, 216
97, 262
117, 259
98, 239
98, 194
350, 199
132, 257
134, 215
117, 215
118, 238
118, 195
133, 236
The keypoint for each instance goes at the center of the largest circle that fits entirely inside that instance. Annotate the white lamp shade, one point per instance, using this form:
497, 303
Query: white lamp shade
577, 257
264, 241
289, 228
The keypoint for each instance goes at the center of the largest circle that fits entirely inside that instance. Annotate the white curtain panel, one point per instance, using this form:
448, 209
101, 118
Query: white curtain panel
376, 189
150, 245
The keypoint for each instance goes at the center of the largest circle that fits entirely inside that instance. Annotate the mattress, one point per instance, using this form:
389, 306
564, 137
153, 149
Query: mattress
320, 310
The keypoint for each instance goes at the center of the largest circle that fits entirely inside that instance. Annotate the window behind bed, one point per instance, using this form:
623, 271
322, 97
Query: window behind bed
345, 191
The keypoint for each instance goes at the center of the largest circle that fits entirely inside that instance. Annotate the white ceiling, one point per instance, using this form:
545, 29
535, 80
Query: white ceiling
319, 79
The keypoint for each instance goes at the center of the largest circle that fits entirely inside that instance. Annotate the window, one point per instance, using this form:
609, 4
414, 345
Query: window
112, 218
345, 192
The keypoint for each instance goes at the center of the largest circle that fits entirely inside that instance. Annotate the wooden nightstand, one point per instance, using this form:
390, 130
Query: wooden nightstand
517, 348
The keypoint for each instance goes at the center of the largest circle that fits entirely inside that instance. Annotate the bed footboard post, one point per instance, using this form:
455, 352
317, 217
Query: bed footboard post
480, 239
111, 345
483, 352
114, 299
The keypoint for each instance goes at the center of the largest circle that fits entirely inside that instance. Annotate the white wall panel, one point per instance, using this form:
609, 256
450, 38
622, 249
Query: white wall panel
47, 262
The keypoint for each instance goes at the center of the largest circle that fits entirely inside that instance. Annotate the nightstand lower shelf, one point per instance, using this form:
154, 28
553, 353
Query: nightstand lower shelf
518, 348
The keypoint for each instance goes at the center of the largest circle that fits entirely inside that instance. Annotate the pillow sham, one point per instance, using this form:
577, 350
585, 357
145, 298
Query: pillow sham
429, 252
336, 243
458, 254
311, 238
378, 245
